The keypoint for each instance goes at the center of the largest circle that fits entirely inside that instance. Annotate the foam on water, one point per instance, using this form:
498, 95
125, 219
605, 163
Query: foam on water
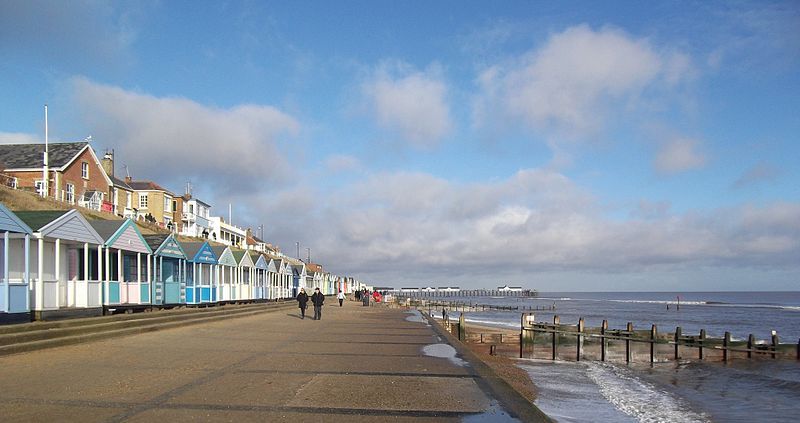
638, 398
592, 391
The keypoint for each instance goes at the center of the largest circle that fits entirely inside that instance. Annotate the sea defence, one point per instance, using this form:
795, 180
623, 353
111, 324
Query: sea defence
356, 364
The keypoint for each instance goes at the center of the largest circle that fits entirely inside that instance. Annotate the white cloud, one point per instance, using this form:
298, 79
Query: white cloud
397, 228
577, 79
412, 103
20, 138
679, 155
171, 139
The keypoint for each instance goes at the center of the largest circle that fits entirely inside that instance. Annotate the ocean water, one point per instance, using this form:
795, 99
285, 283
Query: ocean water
684, 391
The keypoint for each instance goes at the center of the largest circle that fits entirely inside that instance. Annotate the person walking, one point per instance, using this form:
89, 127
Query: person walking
302, 302
317, 299
340, 297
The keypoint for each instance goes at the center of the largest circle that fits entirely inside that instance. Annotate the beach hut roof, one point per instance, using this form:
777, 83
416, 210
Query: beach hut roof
62, 224
11, 222
121, 234
192, 249
37, 219
165, 245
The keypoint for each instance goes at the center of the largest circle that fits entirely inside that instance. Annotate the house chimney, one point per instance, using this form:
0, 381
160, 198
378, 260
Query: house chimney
128, 179
108, 162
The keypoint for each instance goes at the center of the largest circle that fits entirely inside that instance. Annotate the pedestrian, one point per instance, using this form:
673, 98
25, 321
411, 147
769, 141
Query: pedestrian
340, 297
317, 299
302, 302
444, 314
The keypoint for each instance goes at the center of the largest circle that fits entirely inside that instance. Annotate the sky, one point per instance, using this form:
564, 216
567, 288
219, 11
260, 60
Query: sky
560, 146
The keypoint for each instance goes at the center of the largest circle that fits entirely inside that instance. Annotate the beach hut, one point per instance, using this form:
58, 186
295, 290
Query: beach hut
169, 270
227, 268
201, 272
127, 264
14, 268
65, 280
262, 285
298, 277
245, 274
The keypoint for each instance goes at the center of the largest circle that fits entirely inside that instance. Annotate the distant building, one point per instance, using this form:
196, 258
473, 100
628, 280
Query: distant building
226, 233
153, 203
509, 288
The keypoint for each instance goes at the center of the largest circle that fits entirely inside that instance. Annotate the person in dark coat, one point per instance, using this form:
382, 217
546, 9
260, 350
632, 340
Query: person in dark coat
302, 302
317, 299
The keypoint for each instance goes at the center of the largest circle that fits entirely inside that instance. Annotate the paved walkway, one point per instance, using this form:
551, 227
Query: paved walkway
356, 364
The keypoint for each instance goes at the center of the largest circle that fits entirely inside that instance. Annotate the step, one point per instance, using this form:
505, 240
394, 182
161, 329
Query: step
93, 325
101, 335
41, 325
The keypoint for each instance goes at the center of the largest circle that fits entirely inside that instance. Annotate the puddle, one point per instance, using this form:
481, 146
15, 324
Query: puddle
443, 351
416, 316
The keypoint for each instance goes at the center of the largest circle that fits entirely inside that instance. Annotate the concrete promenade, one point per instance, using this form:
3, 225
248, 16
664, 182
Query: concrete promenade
356, 364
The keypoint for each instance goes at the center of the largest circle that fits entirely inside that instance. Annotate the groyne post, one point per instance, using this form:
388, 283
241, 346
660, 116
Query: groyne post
677, 342
462, 330
774, 344
726, 342
556, 322
751, 342
653, 337
628, 342
798, 349
580, 339
603, 341
701, 341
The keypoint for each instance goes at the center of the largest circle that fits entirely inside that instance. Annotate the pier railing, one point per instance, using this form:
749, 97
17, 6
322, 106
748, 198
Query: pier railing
432, 306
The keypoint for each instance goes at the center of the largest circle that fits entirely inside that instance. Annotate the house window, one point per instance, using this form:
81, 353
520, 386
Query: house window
84, 170
166, 204
142, 201
12, 182
70, 198
128, 200
39, 187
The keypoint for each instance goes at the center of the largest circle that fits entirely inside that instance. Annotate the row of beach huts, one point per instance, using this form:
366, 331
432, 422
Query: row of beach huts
57, 264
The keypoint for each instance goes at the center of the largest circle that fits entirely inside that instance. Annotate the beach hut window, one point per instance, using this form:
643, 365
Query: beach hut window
76, 259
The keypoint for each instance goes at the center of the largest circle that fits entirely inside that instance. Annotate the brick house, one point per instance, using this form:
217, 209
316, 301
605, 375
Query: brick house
120, 195
75, 175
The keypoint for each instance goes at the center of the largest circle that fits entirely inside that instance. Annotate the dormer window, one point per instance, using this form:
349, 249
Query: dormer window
85, 170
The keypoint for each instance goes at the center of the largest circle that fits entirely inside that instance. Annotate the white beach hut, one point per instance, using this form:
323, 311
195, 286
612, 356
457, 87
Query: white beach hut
14, 268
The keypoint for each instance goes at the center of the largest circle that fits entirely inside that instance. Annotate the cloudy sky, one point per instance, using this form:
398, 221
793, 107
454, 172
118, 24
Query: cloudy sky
555, 145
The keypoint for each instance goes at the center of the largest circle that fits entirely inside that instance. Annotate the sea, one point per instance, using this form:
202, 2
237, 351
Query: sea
688, 390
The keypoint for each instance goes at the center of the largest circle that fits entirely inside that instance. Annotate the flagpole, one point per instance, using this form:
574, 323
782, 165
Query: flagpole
45, 170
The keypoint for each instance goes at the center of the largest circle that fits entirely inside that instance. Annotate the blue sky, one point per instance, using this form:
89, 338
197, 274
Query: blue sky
556, 145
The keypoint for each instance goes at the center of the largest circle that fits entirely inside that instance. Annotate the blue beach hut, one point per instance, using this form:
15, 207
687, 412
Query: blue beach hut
169, 270
201, 279
14, 268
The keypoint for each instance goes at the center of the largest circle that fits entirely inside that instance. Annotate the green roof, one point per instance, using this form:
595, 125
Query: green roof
37, 219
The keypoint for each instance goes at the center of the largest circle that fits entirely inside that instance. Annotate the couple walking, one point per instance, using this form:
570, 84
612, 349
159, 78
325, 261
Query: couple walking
317, 299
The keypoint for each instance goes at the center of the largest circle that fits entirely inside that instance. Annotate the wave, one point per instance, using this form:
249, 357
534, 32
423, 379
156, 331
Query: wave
638, 398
